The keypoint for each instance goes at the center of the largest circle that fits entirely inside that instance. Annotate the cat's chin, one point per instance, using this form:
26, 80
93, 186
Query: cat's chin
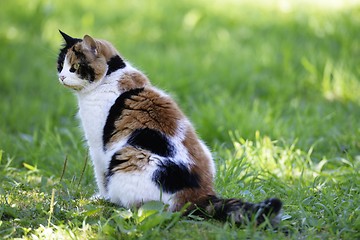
73, 87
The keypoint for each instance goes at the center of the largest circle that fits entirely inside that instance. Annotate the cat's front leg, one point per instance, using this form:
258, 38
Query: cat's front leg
100, 181
100, 177
101, 184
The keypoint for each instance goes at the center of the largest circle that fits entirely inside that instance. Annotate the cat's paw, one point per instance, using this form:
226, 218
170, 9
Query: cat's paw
98, 196
270, 209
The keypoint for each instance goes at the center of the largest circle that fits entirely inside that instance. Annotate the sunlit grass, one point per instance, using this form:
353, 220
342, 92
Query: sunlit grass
271, 86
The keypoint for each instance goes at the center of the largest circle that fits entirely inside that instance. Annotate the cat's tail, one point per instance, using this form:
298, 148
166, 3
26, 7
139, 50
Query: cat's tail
238, 211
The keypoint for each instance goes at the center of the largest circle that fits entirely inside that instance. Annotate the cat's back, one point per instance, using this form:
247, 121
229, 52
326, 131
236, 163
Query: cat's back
142, 106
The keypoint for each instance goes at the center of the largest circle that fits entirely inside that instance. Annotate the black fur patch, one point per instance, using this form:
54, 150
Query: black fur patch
152, 140
115, 112
114, 162
267, 208
114, 64
69, 42
224, 209
172, 177
61, 57
85, 71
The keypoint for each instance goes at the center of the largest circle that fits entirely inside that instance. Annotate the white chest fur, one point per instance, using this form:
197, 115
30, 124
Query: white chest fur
94, 108
93, 111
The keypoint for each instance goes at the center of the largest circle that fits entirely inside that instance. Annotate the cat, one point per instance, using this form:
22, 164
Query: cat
142, 146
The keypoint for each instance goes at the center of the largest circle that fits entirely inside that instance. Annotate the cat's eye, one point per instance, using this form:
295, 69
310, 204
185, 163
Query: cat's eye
74, 67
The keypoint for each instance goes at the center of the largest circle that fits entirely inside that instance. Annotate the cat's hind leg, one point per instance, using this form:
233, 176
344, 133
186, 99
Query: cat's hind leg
129, 179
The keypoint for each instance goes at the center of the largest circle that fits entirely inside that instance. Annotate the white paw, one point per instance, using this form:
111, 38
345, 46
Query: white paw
98, 196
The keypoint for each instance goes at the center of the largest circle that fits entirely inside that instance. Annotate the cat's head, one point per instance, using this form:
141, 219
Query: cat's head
83, 62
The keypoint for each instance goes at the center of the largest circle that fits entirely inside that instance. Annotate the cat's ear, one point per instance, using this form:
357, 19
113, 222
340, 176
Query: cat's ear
69, 40
90, 42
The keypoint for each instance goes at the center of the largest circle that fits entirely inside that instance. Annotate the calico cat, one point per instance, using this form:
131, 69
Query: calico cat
142, 146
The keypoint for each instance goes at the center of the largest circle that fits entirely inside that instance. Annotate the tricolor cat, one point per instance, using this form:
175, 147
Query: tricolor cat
142, 146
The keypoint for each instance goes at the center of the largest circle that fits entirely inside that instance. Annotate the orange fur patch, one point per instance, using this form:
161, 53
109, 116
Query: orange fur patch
106, 49
136, 159
133, 80
201, 167
148, 110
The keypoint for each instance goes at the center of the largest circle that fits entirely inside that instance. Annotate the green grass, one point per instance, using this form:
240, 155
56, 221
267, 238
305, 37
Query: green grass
272, 88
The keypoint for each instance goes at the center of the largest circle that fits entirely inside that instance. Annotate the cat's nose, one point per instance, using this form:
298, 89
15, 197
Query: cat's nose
62, 78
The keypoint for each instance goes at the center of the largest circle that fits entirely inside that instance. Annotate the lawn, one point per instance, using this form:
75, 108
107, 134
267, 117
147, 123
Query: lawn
273, 87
